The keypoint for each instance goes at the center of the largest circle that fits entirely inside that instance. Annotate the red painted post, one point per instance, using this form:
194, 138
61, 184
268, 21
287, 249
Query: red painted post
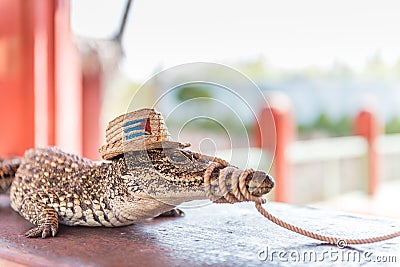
78, 91
368, 126
68, 83
16, 77
91, 109
45, 99
44, 89
275, 133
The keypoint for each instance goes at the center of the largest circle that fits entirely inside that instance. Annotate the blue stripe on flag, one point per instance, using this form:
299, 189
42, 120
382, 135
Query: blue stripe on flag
129, 137
136, 128
128, 123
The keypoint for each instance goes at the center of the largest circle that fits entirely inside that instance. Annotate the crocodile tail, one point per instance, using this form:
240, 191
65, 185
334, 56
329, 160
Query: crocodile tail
8, 168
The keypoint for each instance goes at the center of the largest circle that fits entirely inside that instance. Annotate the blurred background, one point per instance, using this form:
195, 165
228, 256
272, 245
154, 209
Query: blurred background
330, 71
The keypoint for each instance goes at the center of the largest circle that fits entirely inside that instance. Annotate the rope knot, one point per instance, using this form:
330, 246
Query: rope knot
230, 187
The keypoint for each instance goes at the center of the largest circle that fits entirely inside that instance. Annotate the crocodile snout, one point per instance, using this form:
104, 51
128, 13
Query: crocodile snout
261, 183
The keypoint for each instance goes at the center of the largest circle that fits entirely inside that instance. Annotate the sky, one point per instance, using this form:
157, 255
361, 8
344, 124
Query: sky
287, 34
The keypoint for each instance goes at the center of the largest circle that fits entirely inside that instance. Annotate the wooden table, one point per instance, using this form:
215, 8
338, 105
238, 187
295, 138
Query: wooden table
220, 235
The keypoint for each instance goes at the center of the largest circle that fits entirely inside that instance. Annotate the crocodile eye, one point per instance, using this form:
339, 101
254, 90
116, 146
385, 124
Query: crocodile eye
178, 157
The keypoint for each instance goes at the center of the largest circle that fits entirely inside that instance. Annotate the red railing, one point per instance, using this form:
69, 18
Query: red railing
278, 115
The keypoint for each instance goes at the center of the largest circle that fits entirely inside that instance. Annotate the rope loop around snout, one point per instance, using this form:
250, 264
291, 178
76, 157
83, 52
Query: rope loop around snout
239, 193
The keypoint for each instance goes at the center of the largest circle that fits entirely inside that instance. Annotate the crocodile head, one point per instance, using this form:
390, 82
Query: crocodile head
174, 176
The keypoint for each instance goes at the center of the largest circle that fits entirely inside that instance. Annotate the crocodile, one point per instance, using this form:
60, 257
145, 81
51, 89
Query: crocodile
49, 187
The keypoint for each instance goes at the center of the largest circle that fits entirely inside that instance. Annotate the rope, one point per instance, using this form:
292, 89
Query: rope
240, 193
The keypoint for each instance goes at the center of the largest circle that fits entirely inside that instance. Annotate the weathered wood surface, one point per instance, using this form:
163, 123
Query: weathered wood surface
220, 235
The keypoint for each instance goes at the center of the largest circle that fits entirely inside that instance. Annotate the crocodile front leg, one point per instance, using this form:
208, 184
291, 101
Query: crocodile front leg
35, 210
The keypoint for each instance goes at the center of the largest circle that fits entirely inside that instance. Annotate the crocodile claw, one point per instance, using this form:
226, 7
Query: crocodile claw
45, 230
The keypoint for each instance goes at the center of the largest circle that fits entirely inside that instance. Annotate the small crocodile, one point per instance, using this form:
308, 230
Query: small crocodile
48, 186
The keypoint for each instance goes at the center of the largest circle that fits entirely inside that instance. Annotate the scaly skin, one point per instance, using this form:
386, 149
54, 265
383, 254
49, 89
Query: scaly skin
52, 187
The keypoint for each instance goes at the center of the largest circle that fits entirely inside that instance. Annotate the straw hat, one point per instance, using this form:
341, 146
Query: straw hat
138, 130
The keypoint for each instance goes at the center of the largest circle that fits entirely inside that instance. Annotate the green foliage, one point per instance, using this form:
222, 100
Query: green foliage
393, 126
193, 91
325, 125
323, 122
256, 69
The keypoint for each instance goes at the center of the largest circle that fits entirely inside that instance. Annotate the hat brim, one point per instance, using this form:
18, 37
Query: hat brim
161, 144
